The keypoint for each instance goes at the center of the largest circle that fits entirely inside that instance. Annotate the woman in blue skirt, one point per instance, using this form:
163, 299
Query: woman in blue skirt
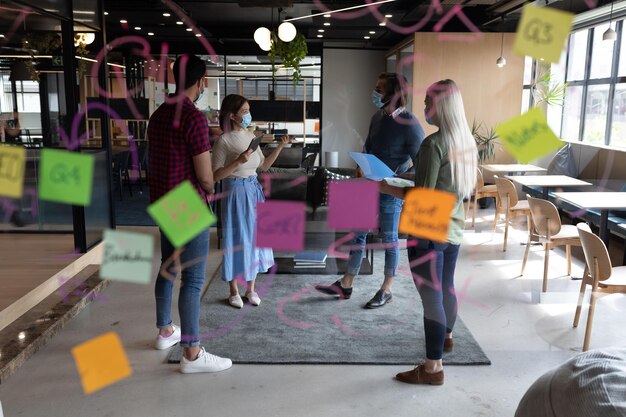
236, 166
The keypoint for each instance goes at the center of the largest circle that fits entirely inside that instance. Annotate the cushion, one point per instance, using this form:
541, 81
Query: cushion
563, 163
331, 176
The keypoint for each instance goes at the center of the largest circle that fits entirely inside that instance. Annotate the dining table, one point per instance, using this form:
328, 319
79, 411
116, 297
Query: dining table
601, 200
511, 169
546, 182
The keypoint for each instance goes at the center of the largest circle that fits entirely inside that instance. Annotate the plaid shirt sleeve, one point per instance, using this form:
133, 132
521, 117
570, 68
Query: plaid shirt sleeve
198, 134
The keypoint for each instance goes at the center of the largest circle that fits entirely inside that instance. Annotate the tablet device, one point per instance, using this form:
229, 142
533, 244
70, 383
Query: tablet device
254, 144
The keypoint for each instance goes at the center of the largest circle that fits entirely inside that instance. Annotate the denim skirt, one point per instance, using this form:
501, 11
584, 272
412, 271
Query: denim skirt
238, 215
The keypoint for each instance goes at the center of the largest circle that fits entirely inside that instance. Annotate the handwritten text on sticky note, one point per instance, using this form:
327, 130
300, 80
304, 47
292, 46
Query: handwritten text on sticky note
127, 256
541, 33
528, 137
427, 213
101, 362
66, 177
343, 210
181, 214
12, 163
280, 225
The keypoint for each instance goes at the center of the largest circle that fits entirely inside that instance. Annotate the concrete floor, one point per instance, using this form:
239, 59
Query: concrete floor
522, 331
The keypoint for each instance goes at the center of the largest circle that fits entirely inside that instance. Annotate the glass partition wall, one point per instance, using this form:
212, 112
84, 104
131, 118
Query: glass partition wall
41, 59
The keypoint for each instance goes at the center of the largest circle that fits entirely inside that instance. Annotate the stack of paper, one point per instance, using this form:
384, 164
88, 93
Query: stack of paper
310, 260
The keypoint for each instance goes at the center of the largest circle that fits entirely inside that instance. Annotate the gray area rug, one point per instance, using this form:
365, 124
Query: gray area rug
297, 325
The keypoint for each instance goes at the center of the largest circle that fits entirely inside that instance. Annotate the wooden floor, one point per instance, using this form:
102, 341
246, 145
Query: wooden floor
27, 261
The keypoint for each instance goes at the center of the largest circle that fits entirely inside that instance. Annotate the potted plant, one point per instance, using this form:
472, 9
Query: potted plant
50, 43
486, 144
290, 55
545, 90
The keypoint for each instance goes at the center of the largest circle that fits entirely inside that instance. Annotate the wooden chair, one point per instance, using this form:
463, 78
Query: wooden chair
481, 191
547, 227
599, 273
507, 199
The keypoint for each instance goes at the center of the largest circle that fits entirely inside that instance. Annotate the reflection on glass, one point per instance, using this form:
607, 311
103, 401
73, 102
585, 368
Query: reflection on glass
601, 54
578, 55
528, 70
618, 126
571, 113
595, 114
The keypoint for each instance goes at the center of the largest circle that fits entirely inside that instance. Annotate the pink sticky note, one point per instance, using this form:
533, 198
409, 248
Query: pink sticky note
280, 225
353, 205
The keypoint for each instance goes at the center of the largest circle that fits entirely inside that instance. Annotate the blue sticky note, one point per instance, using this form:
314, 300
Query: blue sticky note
372, 167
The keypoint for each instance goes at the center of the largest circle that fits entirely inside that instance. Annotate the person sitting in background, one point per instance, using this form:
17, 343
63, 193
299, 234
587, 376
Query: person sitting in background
591, 384
11, 128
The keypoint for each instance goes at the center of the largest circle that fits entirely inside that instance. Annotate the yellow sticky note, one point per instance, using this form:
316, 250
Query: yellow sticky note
528, 137
12, 163
427, 213
541, 32
101, 362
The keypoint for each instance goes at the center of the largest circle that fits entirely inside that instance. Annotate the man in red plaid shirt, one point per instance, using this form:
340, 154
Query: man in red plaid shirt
180, 151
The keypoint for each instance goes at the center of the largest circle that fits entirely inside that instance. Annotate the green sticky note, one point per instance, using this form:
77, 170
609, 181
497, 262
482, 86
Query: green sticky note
12, 163
127, 257
66, 177
542, 32
181, 214
528, 137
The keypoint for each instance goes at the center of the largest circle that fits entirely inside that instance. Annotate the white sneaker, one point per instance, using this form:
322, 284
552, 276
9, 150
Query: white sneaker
235, 301
253, 298
163, 342
205, 362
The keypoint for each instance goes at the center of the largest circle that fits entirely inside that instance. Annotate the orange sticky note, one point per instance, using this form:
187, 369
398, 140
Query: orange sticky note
101, 362
427, 213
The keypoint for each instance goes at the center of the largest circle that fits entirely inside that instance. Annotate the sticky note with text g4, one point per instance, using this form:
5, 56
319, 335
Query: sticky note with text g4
542, 32
528, 137
280, 225
127, 256
181, 214
101, 361
12, 163
427, 213
66, 177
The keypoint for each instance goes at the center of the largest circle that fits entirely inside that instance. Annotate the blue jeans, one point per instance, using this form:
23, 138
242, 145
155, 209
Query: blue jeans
192, 280
388, 217
437, 292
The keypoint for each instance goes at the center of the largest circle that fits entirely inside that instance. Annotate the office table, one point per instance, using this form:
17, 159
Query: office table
547, 181
511, 168
603, 200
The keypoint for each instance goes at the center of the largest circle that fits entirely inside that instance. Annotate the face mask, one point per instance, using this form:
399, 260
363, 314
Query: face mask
199, 97
377, 99
246, 120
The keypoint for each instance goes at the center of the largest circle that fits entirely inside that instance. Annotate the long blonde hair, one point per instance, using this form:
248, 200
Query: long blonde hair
462, 152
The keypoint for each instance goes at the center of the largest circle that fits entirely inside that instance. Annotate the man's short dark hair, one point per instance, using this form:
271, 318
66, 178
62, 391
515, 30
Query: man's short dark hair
194, 69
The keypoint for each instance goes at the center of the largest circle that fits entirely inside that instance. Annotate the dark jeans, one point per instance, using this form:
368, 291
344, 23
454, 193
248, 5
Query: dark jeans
192, 279
437, 292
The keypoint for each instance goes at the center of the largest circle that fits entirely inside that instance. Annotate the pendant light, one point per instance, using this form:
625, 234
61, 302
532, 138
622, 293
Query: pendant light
501, 61
610, 34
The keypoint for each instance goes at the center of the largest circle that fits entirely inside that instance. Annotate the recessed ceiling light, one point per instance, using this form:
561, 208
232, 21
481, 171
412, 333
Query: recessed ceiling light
179, 23
388, 16
320, 36
372, 32
123, 21
150, 33
25, 41
327, 24
137, 28
382, 24
198, 35
320, 30
106, 13
327, 16
189, 29
166, 14
1, 35
366, 37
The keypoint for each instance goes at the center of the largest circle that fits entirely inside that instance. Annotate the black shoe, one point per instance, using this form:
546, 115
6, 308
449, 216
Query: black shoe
17, 220
380, 299
335, 289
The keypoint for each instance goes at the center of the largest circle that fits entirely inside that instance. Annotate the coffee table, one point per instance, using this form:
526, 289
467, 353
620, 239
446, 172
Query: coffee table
318, 238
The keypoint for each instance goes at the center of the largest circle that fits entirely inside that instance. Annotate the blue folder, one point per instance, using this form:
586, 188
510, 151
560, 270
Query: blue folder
372, 167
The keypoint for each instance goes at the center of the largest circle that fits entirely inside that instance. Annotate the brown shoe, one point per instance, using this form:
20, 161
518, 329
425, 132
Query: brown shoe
420, 376
448, 344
